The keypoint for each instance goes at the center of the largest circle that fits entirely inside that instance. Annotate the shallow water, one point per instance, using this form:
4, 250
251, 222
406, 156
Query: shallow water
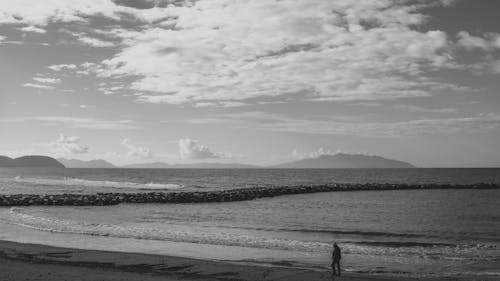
409, 232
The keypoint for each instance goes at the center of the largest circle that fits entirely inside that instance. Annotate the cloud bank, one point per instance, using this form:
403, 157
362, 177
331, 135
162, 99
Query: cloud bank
215, 53
323, 50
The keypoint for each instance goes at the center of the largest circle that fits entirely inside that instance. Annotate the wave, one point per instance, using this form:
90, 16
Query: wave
358, 232
404, 244
339, 232
97, 183
223, 237
17, 217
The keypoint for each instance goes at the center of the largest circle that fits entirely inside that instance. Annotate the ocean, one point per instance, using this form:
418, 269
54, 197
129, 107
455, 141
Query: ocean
437, 233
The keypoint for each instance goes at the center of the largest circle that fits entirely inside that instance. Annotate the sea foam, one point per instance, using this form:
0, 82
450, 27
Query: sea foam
68, 181
226, 237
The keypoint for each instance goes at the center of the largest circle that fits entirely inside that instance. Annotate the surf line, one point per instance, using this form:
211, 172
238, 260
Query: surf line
241, 194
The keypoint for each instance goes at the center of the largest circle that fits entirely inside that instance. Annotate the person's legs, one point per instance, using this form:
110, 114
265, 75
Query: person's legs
338, 266
333, 268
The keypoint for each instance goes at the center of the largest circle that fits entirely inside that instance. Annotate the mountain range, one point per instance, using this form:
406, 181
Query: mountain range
30, 161
337, 161
162, 165
75, 163
344, 161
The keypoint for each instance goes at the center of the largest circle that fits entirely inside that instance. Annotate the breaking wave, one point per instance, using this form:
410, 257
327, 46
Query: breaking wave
97, 183
226, 237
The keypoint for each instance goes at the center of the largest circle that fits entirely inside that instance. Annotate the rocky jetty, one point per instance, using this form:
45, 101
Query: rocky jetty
101, 199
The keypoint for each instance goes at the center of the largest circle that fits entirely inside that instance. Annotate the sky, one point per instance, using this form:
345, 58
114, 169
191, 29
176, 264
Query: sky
251, 81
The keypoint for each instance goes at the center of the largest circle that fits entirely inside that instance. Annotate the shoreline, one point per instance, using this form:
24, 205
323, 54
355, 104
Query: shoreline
19, 262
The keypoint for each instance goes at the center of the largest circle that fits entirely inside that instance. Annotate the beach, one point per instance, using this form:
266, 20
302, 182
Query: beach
23, 262
400, 234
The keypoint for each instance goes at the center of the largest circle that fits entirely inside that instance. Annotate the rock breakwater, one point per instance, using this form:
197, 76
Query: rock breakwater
242, 194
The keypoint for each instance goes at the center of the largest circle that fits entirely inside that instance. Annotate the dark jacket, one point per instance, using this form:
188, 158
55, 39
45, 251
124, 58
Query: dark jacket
336, 255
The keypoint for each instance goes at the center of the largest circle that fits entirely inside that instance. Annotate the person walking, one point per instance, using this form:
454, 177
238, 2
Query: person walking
336, 256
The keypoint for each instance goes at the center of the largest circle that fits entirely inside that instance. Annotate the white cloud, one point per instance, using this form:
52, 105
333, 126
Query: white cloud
134, 151
220, 104
47, 80
321, 151
232, 104
85, 122
205, 104
412, 108
59, 67
94, 42
69, 144
325, 50
38, 86
489, 42
191, 149
33, 29
41, 13
88, 40
215, 53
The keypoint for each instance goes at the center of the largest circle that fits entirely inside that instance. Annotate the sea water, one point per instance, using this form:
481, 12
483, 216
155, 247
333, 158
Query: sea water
407, 232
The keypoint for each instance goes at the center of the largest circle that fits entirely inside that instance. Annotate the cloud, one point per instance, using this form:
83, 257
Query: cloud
38, 86
84, 122
94, 42
59, 67
412, 108
41, 13
489, 42
69, 144
220, 104
89, 40
205, 104
33, 29
323, 50
214, 53
47, 80
134, 151
314, 154
191, 149
334, 126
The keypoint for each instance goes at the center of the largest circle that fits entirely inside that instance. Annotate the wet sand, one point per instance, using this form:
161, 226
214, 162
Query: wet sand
38, 262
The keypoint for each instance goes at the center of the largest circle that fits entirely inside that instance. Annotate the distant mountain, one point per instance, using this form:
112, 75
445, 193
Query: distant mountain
345, 161
5, 161
75, 163
217, 166
30, 161
161, 165
152, 165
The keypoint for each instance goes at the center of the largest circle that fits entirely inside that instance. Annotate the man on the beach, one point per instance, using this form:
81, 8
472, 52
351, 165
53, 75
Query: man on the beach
336, 256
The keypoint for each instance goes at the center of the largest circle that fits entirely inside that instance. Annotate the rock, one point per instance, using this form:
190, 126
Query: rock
101, 199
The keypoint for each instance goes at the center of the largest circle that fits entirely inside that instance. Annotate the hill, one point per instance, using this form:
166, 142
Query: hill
30, 161
345, 161
75, 163
5, 161
161, 165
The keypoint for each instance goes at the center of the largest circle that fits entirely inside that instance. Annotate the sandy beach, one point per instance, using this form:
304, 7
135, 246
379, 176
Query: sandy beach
38, 262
